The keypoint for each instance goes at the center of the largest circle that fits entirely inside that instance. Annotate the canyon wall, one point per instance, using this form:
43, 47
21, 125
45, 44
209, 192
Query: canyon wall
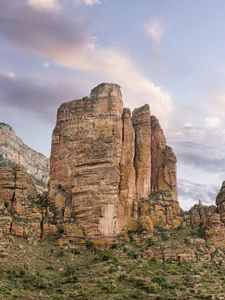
106, 164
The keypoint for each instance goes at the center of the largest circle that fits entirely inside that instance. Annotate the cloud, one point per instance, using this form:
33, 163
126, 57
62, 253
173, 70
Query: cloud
56, 5
33, 96
9, 74
200, 147
89, 2
212, 122
155, 30
201, 160
46, 64
190, 193
66, 42
44, 5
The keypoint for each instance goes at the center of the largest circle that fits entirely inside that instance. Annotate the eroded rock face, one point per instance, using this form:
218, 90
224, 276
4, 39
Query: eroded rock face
215, 227
162, 209
127, 187
19, 214
163, 175
199, 214
142, 161
85, 161
101, 164
215, 231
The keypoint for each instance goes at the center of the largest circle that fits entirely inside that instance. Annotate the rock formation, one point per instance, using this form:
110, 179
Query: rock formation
199, 215
163, 162
14, 152
215, 227
141, 120
112, 178
105, 166
210, 219
19, 213
220, 202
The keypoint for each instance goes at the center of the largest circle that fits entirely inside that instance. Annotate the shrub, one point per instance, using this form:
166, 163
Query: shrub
106, 256
70, 275
133, 254
147, 287
60, 252
201, 232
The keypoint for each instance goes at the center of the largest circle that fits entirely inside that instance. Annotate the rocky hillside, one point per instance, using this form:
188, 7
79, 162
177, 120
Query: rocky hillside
125, 272
14, 152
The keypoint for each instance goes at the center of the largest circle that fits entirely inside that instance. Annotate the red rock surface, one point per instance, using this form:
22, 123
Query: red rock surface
101, 163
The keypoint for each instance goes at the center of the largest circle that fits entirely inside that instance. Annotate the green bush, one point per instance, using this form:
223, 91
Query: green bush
69, 275
106, 256
201, 232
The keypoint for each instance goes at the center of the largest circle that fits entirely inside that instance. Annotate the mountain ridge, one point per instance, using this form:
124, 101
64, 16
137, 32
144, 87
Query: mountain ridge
14, 151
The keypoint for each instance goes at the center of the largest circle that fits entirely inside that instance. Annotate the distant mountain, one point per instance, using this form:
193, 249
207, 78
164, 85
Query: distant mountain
13, 151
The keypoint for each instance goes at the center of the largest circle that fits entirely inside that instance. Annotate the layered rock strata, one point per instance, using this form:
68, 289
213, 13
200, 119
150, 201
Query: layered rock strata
18, 209
13, 151
105, 165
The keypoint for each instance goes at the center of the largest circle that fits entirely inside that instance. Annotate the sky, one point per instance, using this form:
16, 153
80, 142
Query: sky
169, 54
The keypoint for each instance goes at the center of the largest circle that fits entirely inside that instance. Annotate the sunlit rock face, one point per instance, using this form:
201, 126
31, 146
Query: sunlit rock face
105, 163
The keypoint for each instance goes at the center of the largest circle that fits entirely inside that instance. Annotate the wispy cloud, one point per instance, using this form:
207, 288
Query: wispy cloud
155, 30
190, 192
28, 95
200, 147
68, 43
44, 5
8, 74
56, 5
213, 122
89, 2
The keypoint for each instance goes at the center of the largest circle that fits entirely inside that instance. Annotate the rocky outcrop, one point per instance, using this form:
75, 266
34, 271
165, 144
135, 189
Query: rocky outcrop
215, 227
19, 214
215, 231
14, 152
160, 210
101, 163
220, 202
199, 214
163, 161
142, 160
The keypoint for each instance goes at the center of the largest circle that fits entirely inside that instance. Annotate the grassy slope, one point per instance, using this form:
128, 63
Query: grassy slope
46, 271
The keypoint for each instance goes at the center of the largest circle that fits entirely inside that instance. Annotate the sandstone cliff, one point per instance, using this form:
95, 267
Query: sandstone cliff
14, 151
19, 214
110, 169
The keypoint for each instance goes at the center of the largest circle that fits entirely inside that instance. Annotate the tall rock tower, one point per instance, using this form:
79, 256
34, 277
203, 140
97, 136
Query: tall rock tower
105, 163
